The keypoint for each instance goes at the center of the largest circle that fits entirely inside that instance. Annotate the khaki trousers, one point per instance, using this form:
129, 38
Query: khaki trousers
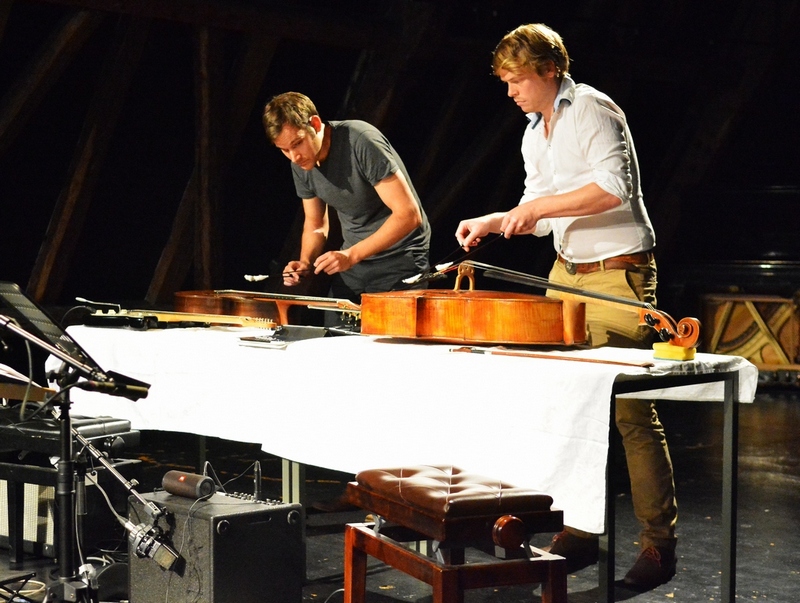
646, 450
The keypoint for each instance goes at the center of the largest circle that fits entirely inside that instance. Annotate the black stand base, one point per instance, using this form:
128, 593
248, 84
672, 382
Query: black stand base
70, 590
7, 593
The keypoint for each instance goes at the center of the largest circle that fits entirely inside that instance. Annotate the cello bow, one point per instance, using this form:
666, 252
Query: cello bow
684, 333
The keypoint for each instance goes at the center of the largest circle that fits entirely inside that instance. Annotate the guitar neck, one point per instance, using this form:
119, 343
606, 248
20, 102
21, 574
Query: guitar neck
189, 317
300, 299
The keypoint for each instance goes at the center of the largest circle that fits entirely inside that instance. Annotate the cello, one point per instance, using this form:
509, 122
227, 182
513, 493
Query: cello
472, 316
476, 317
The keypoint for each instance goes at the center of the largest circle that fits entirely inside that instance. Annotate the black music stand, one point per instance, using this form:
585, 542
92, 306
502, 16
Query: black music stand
22, 316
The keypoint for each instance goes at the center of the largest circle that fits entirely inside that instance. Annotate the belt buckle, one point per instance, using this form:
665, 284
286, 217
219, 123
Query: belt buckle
572, 267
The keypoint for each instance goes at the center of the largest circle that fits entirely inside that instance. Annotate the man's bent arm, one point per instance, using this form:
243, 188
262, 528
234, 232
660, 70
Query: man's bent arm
315, 229
406, 216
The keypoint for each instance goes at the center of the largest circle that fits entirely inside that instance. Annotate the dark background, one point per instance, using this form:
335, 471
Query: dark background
724, 202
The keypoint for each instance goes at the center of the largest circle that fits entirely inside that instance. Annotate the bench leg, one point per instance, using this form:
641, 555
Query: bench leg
448, 582
355, 569
454, 556
554, 590
447, 587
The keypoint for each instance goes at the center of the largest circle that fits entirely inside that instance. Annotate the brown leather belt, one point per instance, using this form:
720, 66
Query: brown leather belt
618, 262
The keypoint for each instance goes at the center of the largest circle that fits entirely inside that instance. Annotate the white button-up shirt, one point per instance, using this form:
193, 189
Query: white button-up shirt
589, 142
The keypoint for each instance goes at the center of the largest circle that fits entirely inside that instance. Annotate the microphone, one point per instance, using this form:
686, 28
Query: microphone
113, 388
257, 480
145, 542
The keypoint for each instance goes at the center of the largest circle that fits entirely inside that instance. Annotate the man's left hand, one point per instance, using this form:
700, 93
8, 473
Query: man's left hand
520, 220
333, 262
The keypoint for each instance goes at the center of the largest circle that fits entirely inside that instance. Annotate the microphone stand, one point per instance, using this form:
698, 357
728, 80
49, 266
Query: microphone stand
70, 587
143, 538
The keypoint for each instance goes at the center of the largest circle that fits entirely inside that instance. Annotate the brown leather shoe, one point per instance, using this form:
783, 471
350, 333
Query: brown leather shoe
579, 552
655, 566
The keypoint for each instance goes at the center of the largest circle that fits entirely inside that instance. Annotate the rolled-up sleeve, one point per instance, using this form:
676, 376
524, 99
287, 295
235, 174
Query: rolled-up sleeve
603, 138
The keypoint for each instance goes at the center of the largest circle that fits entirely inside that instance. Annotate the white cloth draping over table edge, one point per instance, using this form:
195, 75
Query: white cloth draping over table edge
354, 403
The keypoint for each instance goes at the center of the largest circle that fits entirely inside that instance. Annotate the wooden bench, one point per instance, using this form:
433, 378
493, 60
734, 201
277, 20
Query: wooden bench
452, 510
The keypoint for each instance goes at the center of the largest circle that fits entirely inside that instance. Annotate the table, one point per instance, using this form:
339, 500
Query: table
355, 402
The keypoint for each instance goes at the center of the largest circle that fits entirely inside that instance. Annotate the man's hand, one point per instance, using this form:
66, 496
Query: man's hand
333, 262
294, 271
470, 232
520, 220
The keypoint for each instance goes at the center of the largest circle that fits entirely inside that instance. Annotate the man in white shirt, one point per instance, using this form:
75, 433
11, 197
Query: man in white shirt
582, 185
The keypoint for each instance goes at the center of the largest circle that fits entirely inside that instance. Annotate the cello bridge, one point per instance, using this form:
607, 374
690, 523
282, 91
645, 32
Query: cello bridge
465, 270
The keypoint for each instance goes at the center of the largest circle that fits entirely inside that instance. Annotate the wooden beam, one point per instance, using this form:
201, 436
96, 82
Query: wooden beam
176, 258
373, 85
207, 246
22, 98
323, 26
488, 141
446, 122
66, 223
5, 9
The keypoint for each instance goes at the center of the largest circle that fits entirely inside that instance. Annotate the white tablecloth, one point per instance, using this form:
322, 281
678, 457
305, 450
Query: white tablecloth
353, 403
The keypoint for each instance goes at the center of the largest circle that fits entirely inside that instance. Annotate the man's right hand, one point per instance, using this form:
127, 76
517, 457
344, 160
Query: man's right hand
470, 232
294, 271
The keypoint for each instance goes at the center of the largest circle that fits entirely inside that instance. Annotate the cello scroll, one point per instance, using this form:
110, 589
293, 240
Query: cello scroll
685, 333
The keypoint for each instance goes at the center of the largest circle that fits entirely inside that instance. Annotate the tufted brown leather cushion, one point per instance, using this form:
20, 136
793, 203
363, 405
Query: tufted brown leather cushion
448, 492
456, 510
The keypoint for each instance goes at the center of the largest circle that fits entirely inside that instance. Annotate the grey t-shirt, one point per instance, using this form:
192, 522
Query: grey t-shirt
360, 156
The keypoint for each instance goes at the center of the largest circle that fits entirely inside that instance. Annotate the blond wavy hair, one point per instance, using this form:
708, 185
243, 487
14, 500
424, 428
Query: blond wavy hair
532, 46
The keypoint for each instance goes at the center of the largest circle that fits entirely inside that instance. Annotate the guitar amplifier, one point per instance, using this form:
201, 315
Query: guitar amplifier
38, 527
232, 550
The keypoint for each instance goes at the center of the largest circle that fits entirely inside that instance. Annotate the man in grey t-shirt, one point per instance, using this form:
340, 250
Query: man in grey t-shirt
351, 167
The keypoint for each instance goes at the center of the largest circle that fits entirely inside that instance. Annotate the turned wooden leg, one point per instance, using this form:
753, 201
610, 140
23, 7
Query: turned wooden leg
355, 569
446, 586
554, 590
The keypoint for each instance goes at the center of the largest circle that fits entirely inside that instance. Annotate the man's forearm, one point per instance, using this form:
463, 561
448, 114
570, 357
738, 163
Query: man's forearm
390, 232
312, 244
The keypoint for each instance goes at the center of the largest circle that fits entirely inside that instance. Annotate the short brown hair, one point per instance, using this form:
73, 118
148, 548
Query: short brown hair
531, 46
290, 108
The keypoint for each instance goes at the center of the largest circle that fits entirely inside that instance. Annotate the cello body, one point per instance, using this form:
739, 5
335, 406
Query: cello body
473, 317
